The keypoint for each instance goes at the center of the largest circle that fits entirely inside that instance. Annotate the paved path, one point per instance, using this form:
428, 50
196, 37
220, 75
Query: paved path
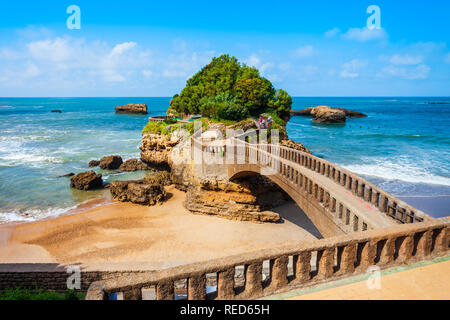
423, 281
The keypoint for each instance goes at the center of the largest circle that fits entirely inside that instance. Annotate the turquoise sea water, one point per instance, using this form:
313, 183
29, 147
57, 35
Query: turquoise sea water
403, 146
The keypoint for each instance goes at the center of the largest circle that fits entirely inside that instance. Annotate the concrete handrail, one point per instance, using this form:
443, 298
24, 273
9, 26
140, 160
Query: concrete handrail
335, 258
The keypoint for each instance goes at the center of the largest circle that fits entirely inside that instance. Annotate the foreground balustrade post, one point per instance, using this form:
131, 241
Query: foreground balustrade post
368, 254
387, 254
424, 245
197, 287
278, 272
165, 290
441, 244
325, 263
225, 284
302, 267
253, 280
348, 259
406, 249
348, 185
132, 294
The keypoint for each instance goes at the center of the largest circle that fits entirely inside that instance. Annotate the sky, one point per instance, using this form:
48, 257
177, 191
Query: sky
150, 48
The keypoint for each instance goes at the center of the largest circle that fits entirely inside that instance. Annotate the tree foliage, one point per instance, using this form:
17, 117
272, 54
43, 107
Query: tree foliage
227, 89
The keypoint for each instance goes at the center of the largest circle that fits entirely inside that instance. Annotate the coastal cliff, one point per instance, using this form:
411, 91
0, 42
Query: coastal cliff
208, 191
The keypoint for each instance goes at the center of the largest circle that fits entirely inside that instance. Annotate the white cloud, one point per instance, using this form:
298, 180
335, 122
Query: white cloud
304, 52
51, 50
408, 73
365, 34
405, 59
122, 48
331, 33
352, 68
255, 61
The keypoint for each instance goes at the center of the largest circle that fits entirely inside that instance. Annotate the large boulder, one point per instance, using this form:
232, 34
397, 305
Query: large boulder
140, 192
133, 165
86, 181
111, 162
138, 108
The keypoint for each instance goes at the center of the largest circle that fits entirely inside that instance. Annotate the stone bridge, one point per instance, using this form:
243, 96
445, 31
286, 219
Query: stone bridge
336, 200
362, 226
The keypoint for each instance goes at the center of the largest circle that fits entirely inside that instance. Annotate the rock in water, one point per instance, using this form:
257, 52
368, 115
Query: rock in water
94, 163
111, 162
56, 111
138, 191
137, 108
71, 174
133, 165
86, 181
325, 114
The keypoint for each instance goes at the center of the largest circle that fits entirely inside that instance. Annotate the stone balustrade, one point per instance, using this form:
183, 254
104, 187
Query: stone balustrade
311, 263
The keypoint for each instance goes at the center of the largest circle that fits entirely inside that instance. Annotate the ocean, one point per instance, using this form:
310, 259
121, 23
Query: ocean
402, 146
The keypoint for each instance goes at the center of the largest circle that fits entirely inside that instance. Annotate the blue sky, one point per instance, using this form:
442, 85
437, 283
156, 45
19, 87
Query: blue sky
150, 48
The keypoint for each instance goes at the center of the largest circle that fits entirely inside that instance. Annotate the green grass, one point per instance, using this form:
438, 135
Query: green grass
19, 293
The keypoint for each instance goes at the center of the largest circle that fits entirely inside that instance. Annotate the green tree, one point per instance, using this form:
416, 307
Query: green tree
254, 94
281, 104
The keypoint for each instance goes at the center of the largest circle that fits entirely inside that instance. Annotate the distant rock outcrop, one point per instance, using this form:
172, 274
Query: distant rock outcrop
56, 111
110, 162
326, 114
86, 181
137, 108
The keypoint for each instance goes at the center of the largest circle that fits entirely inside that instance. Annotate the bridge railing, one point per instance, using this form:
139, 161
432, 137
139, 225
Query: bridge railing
365, 190
292, 266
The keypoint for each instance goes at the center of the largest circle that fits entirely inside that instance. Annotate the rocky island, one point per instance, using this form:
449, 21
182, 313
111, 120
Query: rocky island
136, 108
326, 114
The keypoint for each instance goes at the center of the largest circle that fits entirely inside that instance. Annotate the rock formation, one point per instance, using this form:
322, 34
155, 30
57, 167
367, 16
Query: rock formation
133, 165
155, 150
110, 162
94, 163
86, 181
148, 191
137, 108
244, 199
294, 145
326, 114
56, 111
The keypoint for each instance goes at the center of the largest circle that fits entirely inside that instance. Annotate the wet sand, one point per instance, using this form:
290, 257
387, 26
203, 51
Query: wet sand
127, 235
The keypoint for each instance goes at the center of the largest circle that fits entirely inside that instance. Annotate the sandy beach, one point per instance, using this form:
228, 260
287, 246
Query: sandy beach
124, 235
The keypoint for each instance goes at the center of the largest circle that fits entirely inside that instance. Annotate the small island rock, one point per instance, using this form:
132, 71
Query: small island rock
86, 181
137, 108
